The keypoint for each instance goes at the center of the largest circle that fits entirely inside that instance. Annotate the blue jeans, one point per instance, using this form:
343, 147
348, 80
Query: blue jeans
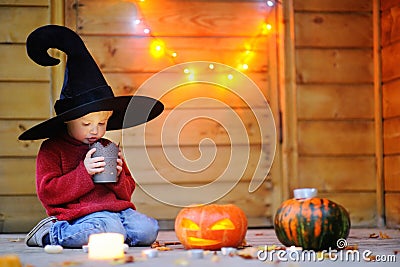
137, 228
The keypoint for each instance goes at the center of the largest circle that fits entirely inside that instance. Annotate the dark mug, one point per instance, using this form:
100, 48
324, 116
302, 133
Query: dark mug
110, 154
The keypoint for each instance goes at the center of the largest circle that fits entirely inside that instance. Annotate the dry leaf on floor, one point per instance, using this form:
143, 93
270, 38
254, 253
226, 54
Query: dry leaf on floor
248, 253
322, 255
373, 235
215, 258
16, 240
181, 262
370, 258
124, 260
155, 244
276, 247
351, 247
163, 248
67, 263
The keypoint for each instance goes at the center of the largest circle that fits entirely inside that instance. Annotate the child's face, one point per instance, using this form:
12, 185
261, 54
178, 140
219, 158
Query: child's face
89, 128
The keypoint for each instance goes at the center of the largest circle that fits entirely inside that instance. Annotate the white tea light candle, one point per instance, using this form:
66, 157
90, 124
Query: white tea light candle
106, 246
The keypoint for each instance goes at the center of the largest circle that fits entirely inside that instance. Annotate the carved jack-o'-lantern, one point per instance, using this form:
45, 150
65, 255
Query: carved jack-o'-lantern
211, 226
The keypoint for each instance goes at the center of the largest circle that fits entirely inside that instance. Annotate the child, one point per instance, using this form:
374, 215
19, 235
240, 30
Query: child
77, 206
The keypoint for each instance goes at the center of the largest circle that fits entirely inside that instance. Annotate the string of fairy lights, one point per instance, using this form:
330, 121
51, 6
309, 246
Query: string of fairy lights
158, 47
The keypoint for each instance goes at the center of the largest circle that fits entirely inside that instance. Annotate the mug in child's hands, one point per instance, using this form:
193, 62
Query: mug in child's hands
110, 153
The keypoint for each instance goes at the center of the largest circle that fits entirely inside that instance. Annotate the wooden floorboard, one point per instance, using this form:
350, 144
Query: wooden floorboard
382, 242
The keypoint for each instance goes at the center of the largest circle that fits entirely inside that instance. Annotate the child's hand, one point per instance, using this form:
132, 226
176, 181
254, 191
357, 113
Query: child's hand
119, 162
93, 165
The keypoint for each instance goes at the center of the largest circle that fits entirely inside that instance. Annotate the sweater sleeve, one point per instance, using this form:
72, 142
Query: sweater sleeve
51, 183
125, 186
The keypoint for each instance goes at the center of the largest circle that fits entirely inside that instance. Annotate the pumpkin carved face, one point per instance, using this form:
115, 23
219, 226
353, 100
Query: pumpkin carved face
211, 226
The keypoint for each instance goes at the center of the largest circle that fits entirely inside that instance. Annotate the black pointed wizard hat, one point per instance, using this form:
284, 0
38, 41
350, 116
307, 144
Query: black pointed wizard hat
84, 90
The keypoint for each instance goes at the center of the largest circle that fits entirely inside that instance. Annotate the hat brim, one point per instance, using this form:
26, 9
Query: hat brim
128, 111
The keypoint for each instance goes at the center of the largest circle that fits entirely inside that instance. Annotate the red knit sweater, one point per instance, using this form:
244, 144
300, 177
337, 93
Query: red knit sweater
65, 188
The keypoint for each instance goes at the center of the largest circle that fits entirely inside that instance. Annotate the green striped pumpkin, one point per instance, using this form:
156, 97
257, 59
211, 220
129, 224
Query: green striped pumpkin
311, 223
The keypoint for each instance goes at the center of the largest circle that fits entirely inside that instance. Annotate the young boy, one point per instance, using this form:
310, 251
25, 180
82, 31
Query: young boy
87, 108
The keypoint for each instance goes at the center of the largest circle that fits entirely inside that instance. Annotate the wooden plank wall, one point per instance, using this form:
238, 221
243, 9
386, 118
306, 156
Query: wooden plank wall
200, 30
390, 39
334, 75
217, 31
334, 126
24, 100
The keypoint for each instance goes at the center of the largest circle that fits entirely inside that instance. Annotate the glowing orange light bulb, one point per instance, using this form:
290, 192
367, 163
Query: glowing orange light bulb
266, 28
247, 47
243, 66
157, 48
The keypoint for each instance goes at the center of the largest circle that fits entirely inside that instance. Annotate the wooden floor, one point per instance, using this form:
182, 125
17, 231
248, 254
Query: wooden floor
381, 244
